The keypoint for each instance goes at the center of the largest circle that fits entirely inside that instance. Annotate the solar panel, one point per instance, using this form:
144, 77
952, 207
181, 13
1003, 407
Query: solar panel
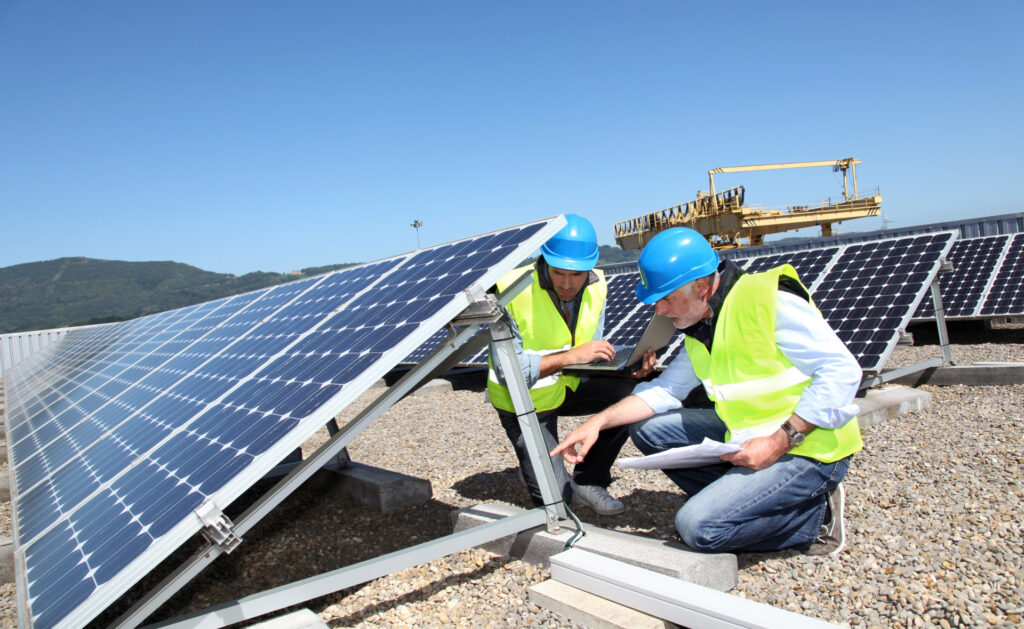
123, 436
872, 289
986, 280
974, 261
1006, 295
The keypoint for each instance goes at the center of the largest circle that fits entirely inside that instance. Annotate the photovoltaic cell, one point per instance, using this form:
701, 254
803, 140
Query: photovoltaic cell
119, 433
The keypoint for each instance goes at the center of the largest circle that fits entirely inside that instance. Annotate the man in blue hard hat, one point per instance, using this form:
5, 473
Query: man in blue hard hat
556, 321
782, 384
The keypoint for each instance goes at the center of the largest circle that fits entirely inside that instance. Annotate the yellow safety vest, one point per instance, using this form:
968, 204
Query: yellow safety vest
750, 381
544, 331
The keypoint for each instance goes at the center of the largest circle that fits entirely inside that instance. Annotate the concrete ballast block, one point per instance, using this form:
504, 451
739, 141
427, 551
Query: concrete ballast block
879, 405
374, 487
714, 570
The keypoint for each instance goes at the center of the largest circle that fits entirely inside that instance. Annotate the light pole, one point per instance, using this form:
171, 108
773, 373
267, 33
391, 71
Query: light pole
416, 223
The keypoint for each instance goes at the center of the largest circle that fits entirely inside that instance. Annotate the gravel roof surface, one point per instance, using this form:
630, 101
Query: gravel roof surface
934, 508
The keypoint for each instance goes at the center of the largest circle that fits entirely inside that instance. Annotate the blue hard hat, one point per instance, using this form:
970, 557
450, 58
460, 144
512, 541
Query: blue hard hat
574, 247
671, 259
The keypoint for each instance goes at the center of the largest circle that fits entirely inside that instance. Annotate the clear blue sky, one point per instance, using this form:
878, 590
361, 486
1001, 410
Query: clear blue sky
240, 135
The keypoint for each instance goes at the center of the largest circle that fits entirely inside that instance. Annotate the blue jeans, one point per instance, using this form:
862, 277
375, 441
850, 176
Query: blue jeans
732, 508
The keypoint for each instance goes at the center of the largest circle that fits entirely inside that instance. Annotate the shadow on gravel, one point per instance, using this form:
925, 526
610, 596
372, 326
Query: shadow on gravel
503, 486
420, 594
650, 513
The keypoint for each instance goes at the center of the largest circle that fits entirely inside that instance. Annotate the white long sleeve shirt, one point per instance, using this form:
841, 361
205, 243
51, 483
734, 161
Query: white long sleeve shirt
806, 339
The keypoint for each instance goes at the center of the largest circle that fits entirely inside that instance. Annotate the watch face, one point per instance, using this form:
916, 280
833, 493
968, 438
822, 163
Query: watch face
795, 436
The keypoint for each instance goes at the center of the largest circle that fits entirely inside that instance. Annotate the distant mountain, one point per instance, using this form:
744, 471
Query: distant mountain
79, 291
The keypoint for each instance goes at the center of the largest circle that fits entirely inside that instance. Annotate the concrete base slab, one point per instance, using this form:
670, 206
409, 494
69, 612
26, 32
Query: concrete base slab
586, 609
978, 374
879, 405
301, 619
373, 487
713, 570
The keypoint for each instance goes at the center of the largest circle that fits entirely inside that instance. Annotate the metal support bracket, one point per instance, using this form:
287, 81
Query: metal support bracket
483, 307
218, 528
945, 266
535, 446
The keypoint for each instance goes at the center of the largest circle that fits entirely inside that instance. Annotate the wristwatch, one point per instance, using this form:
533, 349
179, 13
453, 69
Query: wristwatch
795, 436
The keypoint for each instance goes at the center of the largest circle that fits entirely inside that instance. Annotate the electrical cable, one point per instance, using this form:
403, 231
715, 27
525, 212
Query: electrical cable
579, 529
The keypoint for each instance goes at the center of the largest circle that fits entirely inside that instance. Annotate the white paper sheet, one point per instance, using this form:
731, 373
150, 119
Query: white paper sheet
699, 454
704, 453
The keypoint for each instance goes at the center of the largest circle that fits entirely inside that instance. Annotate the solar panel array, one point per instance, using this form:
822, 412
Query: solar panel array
987, 279
120, 433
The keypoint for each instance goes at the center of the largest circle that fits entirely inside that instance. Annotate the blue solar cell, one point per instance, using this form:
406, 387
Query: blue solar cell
123, 430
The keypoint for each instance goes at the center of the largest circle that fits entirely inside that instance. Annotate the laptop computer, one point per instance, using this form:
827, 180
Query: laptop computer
657, 335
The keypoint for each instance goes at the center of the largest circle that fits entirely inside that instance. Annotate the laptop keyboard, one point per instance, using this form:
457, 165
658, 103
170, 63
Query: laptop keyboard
620, 356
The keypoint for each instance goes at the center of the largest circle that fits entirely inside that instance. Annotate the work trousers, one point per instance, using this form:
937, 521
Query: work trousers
732, 508
592, 396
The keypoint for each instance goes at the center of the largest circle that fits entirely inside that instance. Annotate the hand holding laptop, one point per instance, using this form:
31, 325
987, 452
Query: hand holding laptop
657, 335
589, 352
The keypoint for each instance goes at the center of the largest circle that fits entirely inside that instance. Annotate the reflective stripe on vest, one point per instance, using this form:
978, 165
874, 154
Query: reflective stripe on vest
750, 380
754, 388
544, 331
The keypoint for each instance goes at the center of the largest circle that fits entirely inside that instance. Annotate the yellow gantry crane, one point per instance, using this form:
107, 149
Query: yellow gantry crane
727, 223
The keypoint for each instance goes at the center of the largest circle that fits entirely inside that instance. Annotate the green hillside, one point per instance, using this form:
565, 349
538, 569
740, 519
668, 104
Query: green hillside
78, 291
